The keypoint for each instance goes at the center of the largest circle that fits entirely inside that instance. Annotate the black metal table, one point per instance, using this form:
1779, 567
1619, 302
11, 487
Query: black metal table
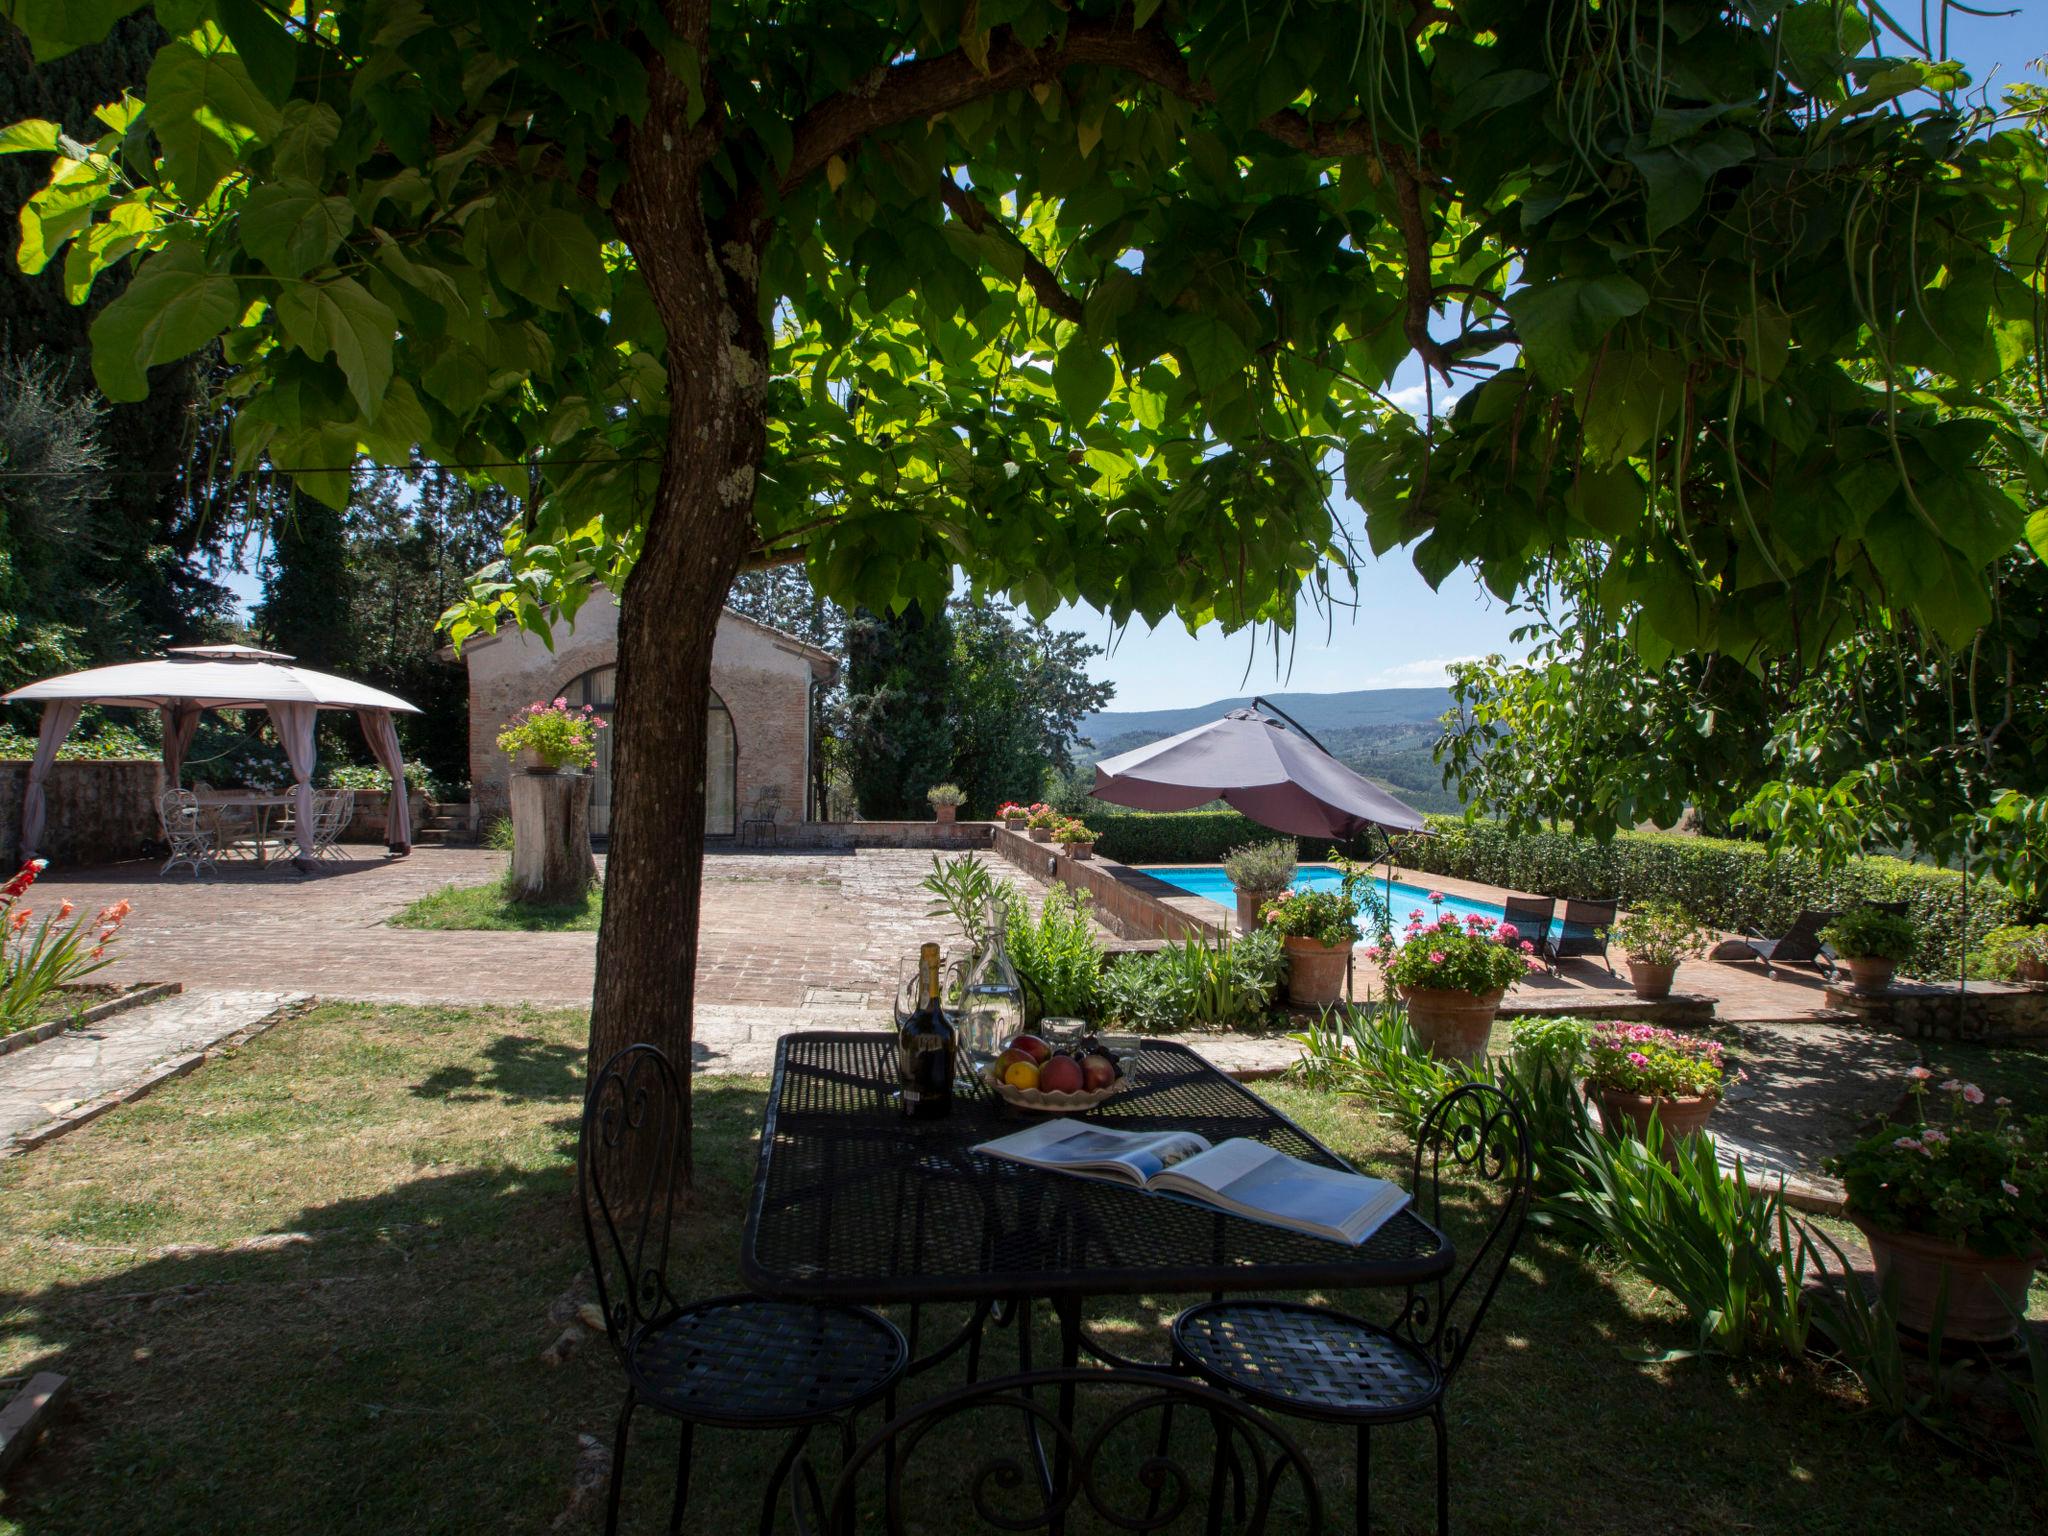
852, 1202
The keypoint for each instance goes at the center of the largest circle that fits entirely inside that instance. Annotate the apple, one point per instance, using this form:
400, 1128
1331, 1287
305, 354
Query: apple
1062, 1074
1033, 1047
1097, 1071
1009, 1059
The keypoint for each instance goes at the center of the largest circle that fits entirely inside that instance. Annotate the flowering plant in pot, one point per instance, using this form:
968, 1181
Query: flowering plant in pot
1654, 938
1452, 976
1957, 1198
2016, 953
1870, 943
1077, 837
1039, 820
1634, 1071
1317, 927
946, 800
1259, 872
547, 738
1013, 815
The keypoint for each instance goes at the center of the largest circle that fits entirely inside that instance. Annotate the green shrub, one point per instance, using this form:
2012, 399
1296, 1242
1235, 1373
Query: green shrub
1864, 933
2005, 950
109, 743
1739, 886
1262, 867
1056, 952
1180, 837
1192, 984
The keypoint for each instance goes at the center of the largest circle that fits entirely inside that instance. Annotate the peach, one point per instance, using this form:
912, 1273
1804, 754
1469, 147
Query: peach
1033, 1047
1097, 1071
1062, 1074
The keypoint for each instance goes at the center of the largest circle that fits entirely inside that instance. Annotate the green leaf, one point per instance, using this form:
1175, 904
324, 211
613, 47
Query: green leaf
1082, 376
267, 49
299, 148
318, 456
2037, 532
1562, 322
29, 136
57, 27
206, 110
173, 306
291, 228
59, 211
342, 318
566, 254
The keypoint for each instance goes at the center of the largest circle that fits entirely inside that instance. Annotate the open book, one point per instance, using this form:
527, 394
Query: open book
1238, 1175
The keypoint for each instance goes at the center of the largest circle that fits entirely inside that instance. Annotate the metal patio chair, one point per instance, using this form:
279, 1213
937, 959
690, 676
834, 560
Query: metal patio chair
191, 837
332, 812
731, 1362
762, 822
1531, 915
1314, 1362
1581, 933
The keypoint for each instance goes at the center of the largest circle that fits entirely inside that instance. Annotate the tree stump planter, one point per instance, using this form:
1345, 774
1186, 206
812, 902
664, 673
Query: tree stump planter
1869, 977
1248, 904
1979, 1288
1651, 982
1315, 971
1452, 1026
1679, 1117
552, 864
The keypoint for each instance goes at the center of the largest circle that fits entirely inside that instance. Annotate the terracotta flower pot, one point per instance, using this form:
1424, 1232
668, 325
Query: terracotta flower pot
944, 812
2030, 968
1014, 823
529, 760
1040, 834
1315, 971
1080, 851
1679, 1117
1452, 1026
1248, 904
1868, 977
1650, 980
1978, 1287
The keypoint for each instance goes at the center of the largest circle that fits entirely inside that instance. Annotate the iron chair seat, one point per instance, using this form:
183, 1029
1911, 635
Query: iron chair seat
742, 1362
1308, 1361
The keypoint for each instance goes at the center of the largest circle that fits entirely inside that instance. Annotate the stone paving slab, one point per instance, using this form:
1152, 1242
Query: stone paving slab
76, 1075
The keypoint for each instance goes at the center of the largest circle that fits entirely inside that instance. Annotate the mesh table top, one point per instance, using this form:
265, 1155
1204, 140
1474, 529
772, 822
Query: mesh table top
851, 1201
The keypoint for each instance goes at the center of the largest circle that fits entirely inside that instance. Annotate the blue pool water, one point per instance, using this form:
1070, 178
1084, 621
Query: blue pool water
1209, 881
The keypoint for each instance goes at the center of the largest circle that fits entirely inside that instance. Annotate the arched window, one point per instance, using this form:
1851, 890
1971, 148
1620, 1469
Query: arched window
599, 689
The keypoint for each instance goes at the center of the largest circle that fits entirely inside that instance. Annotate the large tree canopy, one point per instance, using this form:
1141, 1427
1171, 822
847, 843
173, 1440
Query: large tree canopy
1094, 299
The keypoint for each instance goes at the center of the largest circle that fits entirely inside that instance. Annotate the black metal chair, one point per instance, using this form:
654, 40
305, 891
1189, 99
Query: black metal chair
1531, 916
1317, 1363
1071, 1448
1582, 932
1800, 945
731, 1362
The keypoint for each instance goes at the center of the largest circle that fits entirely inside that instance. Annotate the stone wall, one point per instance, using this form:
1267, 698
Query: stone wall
1982, 1010
98, 811
1126, 901
887, 834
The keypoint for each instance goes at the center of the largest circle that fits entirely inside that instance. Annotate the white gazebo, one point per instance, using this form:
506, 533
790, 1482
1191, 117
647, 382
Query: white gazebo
187, 681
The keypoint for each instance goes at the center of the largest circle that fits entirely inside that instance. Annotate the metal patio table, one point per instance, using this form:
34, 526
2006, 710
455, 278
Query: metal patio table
851, 1202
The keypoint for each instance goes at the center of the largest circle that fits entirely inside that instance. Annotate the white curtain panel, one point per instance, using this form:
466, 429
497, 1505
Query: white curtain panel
181, 723
294, 724
59, 715
382, 735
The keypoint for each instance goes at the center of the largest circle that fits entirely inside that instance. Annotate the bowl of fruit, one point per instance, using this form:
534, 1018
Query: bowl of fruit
1033, 1074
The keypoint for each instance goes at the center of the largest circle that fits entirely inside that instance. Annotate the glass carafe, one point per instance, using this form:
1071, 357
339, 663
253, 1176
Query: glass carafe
992, 1004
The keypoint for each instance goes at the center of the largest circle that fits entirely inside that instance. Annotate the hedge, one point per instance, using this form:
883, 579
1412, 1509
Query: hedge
1738, 886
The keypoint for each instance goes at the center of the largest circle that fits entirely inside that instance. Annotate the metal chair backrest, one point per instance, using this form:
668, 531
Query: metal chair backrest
627, 1161
1584, 919
178, 810
1479, 1131
1802, 942
1531, 915
1119, 1463
767, 803
331, 812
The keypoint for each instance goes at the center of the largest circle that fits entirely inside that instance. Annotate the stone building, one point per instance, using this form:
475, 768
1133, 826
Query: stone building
764, 684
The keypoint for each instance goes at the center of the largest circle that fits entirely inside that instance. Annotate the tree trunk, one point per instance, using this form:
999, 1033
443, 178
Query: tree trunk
698, 531
551, 860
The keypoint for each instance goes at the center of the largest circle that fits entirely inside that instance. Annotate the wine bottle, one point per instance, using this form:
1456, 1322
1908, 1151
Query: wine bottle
924, 1047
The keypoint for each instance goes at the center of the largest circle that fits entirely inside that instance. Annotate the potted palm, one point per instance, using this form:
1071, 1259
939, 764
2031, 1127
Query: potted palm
1634, 1071
1870, 943
1954, 1213
1075, 837
1259, 872
1317, 927
1654, 938
946, 800
1452, 975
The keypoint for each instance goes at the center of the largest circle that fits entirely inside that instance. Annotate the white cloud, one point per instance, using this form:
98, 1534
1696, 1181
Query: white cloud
1415, 398
1432, 673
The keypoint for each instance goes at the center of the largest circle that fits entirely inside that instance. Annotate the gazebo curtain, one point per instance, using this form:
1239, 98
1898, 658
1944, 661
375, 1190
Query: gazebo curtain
181, 723
59, 715
381, 732
294, 724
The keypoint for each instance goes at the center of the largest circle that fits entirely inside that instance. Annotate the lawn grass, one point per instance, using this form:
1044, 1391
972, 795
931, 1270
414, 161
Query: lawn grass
306, 1289
490, 907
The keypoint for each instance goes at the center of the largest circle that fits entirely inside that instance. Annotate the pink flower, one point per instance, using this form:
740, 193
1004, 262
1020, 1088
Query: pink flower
1953, 1085
1934, 1134
1920, 1074
1638, 1059
1908, 1144
1436, 957
2002, 1102
561, 704
1509, 933
2009, 1187
1415, 916
1972, 1094
1528, 948
1436, 895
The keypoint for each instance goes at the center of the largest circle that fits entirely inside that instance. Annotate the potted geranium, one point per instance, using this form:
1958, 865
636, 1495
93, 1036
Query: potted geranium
1013, 815
1967, 1200
1634, 1071
1452, 976
1259, 872
1076, 837
2018, 953
1039, 821
1654, 938
946, 800
1870, 943
546, 738
1317, 927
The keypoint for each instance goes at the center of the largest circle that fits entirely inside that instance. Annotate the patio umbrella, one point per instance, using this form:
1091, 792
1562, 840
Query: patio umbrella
190, 679
1276, 775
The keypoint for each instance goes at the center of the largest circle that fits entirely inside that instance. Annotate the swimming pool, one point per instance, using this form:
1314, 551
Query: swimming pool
1209, 882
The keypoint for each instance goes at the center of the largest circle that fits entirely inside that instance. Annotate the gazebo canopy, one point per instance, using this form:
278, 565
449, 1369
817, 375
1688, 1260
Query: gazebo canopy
189, 680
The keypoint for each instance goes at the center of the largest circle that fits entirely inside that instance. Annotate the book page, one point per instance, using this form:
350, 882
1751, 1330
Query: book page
1133, 1157
1266, 1185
